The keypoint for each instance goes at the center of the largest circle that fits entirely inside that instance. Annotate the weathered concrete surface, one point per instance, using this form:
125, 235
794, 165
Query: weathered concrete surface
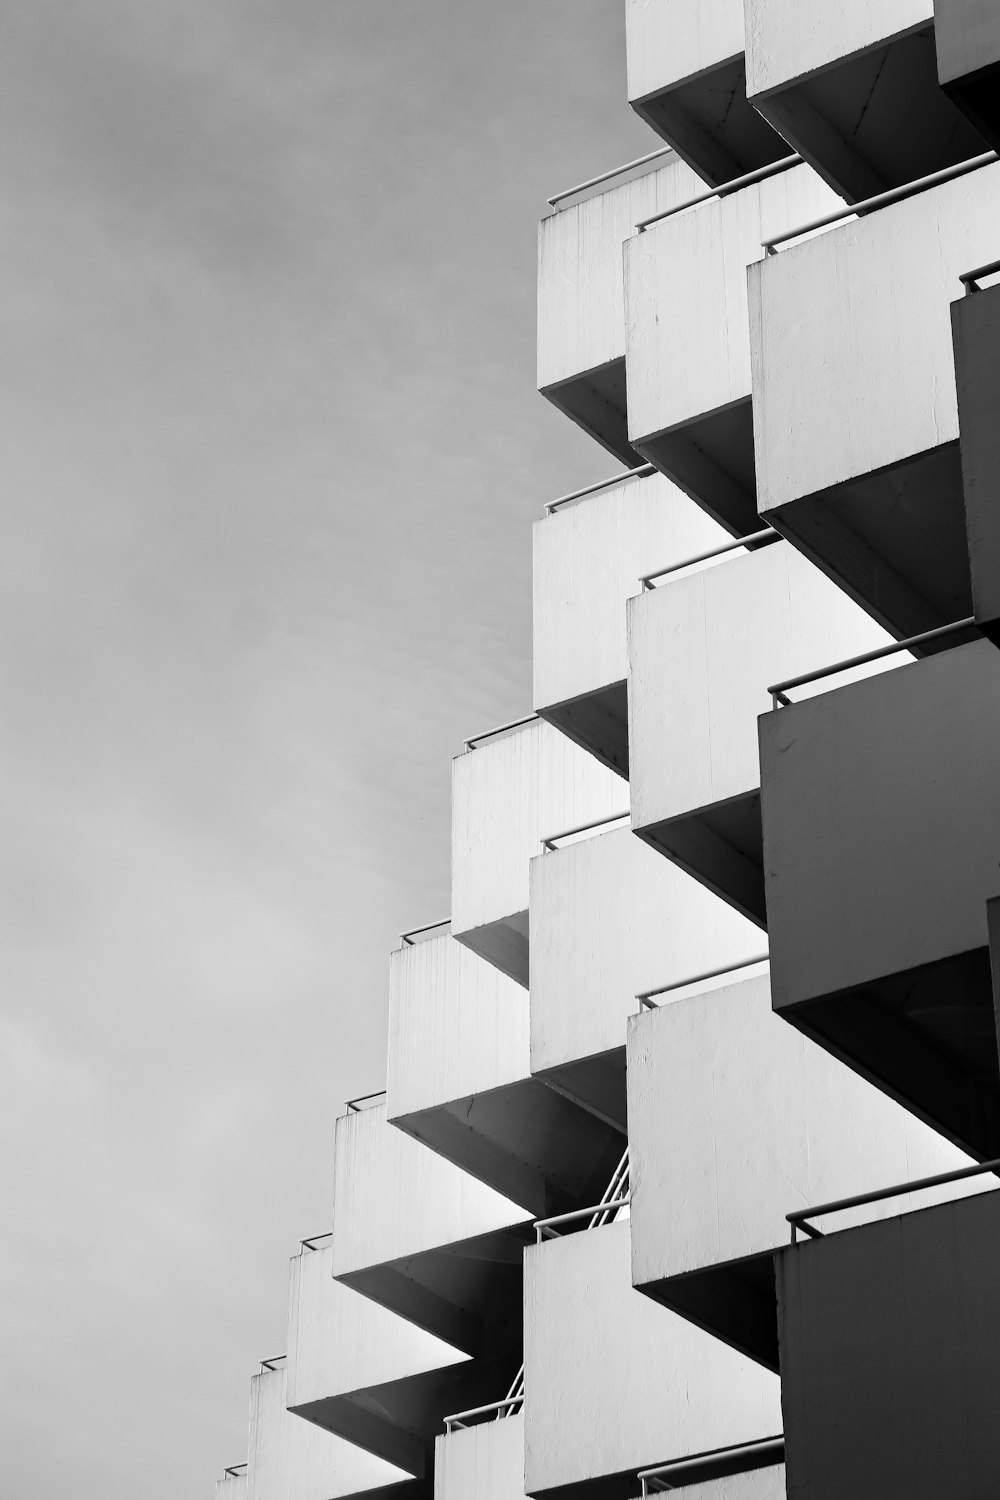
610, 919
759, 1484
859, 463
881, 811
686, 78
687, 337
424, 1238
704, 648
232, 1487
506, 796
837, 80
735, 1120
460, 1082
967, 37
976, 332
890, 1357
588, 559
614, 1383
485, 1462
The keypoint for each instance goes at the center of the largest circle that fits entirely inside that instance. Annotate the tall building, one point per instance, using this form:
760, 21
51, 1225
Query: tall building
644, 1205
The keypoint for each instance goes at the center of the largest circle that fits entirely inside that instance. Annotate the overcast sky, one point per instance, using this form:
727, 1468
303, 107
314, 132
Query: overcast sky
271, 449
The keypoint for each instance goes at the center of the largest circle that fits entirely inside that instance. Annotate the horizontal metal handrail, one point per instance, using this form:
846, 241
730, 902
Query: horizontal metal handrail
406, 938
645, 998
747, 180
269, 1364
893, 195
545, 1228
548, 844
460, 1418
798, 1218
658, 1477
629, 166
313, 1240
646, 579
477, 739
970, 279
551, 506
233, 1470
779, 690
353, 1104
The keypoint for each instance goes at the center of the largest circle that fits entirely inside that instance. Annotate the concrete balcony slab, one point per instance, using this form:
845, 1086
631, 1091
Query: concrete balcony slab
759, 1484
485, 1462
836, 81
588, 559
859, 464
232, 1487
704, 648
881, 813
976, 332
508, 794
967, 35
687, 344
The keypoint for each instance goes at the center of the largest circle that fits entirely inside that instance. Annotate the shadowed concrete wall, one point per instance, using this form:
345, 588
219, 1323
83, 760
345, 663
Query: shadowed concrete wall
485, 1462
735, 1120
506, 796
976, 331
611, 918
890, 1357
703, 650
614, 1383
967, 36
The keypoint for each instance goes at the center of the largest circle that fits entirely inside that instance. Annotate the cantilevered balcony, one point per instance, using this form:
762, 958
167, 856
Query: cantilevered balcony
422, 1237
967, 34
611, 920
509, 792
739, 1119
483, 1462
581, 316
704, 647
687, 336
857, 458
976, 331
890, 1357
293, 1459
372, 1378
460, 1082
615, 1384
687, 78
881, 812
854, 89
588, 558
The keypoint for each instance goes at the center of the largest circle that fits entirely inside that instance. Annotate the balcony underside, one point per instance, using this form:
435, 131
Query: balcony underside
597, 1083
721, 846
595, 400
736, 1303
977, 95
711, 126
712, 459
597, 722
503, 943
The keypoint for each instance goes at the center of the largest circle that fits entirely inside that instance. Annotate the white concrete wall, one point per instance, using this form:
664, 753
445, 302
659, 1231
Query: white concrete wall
232, 1487
293, 1459
457, 1026
668, 41
610, 918
507, 795
759, 1484
588, 559
615, 1382
851, 338
485, 1462
393, 1197
581, 311
786, 39
736, 1119
687, 329
704, 649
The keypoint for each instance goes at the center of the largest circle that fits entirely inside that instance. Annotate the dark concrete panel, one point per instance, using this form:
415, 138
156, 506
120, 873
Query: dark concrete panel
712, 460
975, 322
967, 33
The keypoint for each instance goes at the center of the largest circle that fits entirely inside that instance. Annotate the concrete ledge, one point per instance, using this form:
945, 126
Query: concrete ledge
485, 1462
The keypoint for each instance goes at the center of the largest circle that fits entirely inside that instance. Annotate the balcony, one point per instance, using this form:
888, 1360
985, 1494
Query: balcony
687, 79
425, 1239
233, 1484
588, 558
704, 648
967, 34
611, 920
460, 1082
615, 1384
976, 331
370, 1377
881, 811
859, 464
741, 1119
687, 338
837, 81
481, 1463
890, 1342
507, 794
581, 314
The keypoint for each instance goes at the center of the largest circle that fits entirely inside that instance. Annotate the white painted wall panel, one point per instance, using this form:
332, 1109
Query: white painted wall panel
759, 1484
667, 41
232, 1487
485, 1462
786, 39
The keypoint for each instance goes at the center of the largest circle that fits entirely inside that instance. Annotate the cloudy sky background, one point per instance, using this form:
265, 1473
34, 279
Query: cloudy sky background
270, 449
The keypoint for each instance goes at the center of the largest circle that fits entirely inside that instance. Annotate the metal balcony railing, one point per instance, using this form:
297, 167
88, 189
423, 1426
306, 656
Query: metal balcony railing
763, 1452
477, 739
273, 1362
732, 186
234, 1471
762, 538
314, 1239
363, 1101
406, 938
971, 279
616, 1197
642, 472
798, 1219
592, 182
779, 691
548, 844
647, 998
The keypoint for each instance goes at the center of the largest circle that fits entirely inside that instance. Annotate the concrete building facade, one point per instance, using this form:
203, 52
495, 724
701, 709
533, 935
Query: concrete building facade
684, 1176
